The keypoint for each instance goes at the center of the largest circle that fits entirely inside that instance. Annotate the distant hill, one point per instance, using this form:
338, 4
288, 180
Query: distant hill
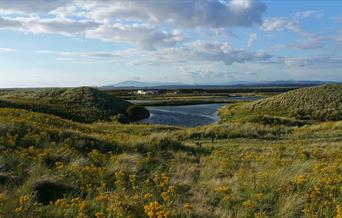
322, 102
131, 84
82, 104
138, 84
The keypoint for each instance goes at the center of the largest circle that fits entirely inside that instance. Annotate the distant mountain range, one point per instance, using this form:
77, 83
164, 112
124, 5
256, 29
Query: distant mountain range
132, 84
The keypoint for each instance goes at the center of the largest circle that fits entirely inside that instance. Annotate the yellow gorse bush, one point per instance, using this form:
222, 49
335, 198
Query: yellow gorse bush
155, 210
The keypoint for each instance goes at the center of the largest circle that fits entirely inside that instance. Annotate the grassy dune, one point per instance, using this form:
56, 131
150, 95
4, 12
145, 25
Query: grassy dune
79, 104
54, 167
314, 103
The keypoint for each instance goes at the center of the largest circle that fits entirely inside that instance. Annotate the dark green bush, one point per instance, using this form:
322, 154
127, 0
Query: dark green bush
50, 190
6, 178
137, 112
121, 118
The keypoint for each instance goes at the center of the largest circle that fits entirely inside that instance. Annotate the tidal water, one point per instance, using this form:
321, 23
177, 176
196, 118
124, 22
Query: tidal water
237, 98
187, 115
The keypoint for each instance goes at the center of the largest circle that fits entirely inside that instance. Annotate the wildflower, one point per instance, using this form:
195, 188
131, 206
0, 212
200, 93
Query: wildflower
155, 210
260, 214
24, 199
187, 206
248, 204
338, 211
306, 211
83, 206
2, 197
76, 201
59, 165
148, 196
120, 174
99, 215
258, 196
133, 178
171, 189
102, 197
299, 180
62, 203
223, 190
165, 196
226, 198
18, 209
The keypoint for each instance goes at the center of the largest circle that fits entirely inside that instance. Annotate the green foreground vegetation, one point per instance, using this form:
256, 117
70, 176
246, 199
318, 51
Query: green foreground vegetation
263, 163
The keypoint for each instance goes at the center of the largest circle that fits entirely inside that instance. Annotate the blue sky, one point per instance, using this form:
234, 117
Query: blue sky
101, 42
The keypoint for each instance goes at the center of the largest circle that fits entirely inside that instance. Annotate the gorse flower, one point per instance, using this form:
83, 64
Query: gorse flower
148, 196
187, 206
103, 197
99, 215
2, 197
62, 203
301, 179
59, 165
248, 204
24, 199
155, 210
165, 196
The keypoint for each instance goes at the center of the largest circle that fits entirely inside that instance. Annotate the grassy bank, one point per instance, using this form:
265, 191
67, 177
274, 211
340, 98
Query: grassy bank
185, 102
269, 167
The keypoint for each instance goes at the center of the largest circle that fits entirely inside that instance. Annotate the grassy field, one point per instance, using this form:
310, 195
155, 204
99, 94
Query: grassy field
277, 166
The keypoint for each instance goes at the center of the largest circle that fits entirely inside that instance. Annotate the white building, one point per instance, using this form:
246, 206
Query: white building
146, 92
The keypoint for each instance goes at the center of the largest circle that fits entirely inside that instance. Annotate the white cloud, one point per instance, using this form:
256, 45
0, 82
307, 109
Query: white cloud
315, 41
148, 24
195, 13
98, 54
146, 37
201, 51
313, 62
280, 24
209, 75
251, 39
338, 19
308, 13
7, 50
30, 6
35, 24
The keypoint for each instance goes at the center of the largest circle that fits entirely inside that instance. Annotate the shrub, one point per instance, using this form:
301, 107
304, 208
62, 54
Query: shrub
50, 190
121, 118
137, 112
6, 178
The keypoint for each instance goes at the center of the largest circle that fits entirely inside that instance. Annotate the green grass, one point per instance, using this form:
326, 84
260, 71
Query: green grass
314, 103
268, 166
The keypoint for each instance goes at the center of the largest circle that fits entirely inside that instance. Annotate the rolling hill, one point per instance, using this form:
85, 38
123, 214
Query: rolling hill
322, 102
54, 167
82, 104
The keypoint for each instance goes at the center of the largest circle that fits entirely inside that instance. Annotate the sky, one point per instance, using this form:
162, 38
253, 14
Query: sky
102, 42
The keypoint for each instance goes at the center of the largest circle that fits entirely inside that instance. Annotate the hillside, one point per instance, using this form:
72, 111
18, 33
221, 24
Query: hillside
314, 103
53, 167
82, 104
